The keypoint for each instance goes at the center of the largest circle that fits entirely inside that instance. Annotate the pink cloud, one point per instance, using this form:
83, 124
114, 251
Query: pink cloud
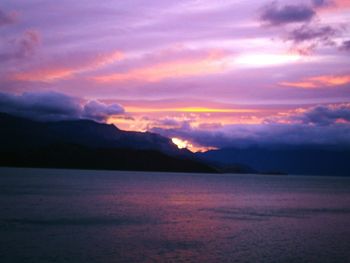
319, 82
8, 18
65, 68
210, 63
22, 46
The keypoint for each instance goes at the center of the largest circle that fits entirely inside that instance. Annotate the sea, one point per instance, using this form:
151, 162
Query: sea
58, 215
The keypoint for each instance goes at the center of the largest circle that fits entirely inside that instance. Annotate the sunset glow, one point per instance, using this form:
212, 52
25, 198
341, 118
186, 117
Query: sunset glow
319, 82
206, 73
184, 144
175, 131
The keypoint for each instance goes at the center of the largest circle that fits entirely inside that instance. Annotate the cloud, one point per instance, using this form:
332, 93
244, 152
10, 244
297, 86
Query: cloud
345, 45
319, 125
65, 67
209, 63
28, 43
307, 33
21, 47
307, 38
331, 5
41, 106
7, 18
319, 82
275, 15
99, 111
168, 122
325, 115
322, 3
48, 106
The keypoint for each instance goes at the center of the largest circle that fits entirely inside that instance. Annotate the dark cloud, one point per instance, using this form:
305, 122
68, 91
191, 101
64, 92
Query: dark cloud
322, 34
309, 35
21, 47
42, 106
55, 106
99, 111
345, 45
326, 115
7, 18
307, 38
320, 125
275, 15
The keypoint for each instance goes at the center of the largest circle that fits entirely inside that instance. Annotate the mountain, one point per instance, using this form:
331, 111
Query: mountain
28, 133
306, 159
91, 145
88, 144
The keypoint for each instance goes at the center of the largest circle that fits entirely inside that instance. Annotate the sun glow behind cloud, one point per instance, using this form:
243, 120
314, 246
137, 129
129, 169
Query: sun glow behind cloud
213, 72
185, 144
190, 110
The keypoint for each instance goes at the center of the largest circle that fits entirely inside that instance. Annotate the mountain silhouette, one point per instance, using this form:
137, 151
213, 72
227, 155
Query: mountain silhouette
91, 145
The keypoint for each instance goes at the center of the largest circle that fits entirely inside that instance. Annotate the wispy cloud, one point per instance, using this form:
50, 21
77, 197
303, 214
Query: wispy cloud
322, 124
319, 82
307, 33
306, 38
57, 70
22, 46
210, 63
345, 45
8, 18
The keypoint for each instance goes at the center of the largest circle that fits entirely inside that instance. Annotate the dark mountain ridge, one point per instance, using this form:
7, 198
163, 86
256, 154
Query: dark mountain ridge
88, 144
92, 145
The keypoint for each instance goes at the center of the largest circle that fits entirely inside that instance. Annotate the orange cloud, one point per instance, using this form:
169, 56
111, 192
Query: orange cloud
319, 82
147, 114
210, 64
56, 72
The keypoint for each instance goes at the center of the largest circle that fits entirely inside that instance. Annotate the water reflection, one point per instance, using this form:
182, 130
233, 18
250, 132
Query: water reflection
98, 216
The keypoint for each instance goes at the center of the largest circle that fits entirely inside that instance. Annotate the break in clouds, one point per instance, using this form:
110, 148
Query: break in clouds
208, 54
319, 125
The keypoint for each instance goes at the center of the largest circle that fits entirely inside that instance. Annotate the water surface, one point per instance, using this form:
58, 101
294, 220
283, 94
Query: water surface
50, 215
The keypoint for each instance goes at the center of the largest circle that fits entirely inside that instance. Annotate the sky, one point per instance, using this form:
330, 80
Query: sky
209, 74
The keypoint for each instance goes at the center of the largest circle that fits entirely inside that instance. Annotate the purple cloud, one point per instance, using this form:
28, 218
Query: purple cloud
28, 42
326, 115
21, 47
319, 125
275, 15
345, 45
48, 106
322, 34
322, 3
41, 106
7, 18
99, 111
306, 38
